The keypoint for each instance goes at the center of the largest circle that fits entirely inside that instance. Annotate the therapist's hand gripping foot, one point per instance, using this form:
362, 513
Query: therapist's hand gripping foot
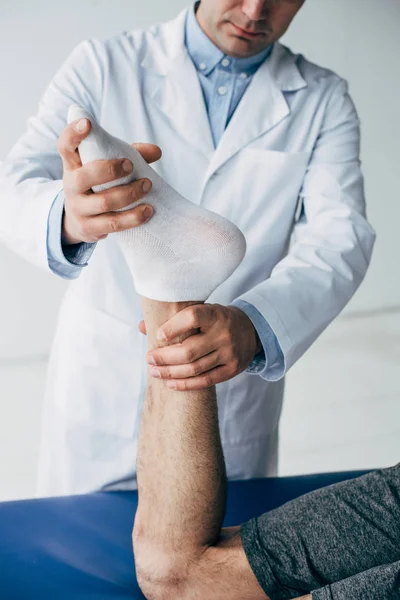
89, 217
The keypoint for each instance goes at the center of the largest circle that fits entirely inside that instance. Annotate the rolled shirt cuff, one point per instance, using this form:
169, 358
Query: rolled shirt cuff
269, 363
65, 261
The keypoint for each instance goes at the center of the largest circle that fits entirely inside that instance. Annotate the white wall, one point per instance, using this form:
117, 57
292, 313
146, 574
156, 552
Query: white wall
358, 38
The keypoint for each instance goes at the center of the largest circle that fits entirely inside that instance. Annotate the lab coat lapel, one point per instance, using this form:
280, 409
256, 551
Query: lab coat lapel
174, 88
263, 105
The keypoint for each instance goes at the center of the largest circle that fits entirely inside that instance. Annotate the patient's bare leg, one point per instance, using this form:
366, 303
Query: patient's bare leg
182, 486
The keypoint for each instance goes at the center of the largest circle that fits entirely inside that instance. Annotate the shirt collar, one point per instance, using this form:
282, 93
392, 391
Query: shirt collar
206, 55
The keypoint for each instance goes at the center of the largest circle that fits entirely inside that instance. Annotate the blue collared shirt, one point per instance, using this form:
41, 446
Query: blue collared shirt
223, 80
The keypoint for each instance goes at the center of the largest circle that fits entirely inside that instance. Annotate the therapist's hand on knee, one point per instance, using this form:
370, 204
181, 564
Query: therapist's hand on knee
90, 217
223, 344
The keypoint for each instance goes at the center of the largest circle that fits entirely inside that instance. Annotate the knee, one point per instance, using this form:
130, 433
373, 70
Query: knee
162, 574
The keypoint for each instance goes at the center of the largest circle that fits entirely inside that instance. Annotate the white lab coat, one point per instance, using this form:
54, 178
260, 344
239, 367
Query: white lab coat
295, 135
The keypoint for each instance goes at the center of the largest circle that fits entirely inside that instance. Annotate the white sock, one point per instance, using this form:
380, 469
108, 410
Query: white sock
184, 252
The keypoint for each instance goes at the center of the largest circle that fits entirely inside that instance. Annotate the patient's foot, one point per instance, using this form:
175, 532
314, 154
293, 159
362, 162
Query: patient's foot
184, 252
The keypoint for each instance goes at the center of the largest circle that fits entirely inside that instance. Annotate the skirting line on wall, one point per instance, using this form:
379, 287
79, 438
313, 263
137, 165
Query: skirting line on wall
374, 312
20, 361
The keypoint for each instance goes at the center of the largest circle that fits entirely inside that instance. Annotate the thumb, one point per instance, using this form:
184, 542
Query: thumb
142, 327
150, 152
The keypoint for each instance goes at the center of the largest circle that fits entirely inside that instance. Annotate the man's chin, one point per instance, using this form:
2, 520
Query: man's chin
240, 48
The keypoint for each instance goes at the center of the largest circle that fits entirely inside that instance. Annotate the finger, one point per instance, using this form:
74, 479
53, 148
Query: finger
185, 371
192, 317
98, 172
193, 348
113, 222
202, 382
115, 198
69, 141
150, 152
142, 328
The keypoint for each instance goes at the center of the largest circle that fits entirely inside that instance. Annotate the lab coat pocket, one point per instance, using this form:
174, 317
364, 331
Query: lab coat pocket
268, 193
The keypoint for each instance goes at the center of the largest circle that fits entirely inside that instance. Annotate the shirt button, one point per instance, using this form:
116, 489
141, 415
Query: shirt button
226, 62
222, 90
203, 66
243, 75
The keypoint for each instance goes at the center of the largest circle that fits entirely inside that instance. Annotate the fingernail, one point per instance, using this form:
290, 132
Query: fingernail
151, 360
146, 185
155, 372
147, 213
81, 125
172, 385
161, 336
127, 166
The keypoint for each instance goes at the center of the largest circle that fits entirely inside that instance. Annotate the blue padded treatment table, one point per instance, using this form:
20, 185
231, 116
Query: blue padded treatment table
80, 547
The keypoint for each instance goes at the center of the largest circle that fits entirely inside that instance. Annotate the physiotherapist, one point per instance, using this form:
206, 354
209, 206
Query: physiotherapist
249, 130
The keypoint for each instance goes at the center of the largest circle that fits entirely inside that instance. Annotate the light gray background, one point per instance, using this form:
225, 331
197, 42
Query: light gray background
358, 39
